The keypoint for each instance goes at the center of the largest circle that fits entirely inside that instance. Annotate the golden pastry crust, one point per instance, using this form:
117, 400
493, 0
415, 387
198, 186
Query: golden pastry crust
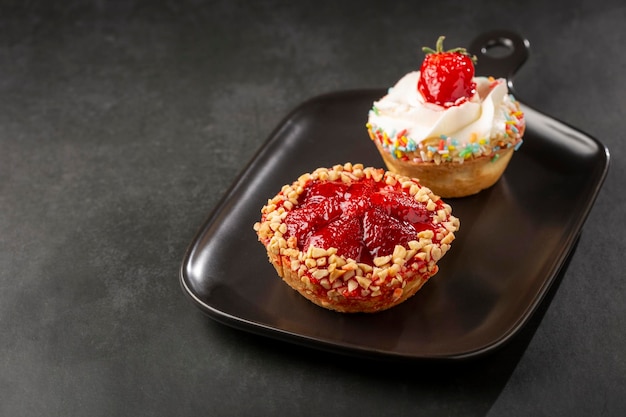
342, 284
450, 179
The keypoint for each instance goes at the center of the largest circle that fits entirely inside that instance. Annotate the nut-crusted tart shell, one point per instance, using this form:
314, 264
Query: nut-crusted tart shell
343, 284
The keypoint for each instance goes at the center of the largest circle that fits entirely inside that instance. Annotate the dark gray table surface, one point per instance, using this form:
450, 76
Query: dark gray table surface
122, 123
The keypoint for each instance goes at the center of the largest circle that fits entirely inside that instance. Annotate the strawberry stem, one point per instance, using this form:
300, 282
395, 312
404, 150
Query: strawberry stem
439, 44
439, 49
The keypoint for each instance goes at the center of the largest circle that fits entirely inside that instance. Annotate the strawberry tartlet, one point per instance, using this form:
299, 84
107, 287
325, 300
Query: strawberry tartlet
355, 239
453, 131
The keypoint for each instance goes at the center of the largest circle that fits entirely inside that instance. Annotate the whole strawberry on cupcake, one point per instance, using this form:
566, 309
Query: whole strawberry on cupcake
453, 131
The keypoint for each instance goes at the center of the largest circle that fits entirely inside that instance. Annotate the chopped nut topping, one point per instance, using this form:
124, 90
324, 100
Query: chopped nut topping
317, 252
320, 273
323, 274
364, 282
382, 260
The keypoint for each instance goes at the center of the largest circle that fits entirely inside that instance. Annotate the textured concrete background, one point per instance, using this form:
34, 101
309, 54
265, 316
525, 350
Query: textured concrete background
123, 122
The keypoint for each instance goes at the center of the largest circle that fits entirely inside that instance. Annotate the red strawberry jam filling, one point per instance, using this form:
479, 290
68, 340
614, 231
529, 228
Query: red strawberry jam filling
355, 239
362, 220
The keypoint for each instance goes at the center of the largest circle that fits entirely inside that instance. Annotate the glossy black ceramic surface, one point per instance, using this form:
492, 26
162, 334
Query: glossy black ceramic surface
513, 240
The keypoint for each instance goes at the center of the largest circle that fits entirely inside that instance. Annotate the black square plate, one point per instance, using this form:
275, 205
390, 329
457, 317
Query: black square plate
514, 238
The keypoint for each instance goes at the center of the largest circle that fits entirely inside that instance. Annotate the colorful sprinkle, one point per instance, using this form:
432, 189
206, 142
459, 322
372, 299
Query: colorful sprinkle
401, 146
465, 153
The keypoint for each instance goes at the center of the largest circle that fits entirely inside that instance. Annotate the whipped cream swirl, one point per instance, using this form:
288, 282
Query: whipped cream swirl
410, 128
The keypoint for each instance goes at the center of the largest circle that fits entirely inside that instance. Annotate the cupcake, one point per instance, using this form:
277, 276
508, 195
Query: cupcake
355, 239
453, 131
